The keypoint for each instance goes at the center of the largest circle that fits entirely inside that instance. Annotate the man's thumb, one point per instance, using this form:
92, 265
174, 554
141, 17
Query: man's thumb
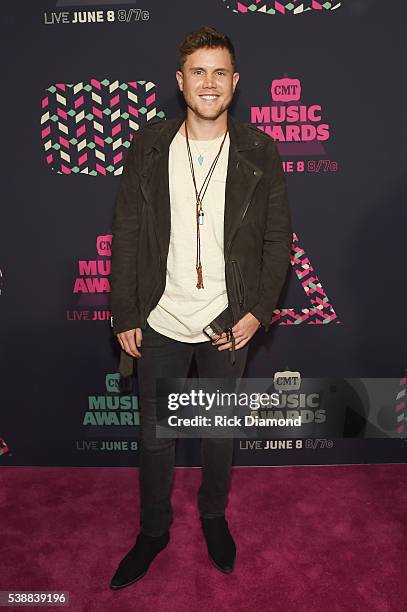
139, 337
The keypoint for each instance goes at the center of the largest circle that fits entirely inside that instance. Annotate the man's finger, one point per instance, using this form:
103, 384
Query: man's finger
228, 345
218, 337
220, 340
226, 341
223, 347
120, 341
139, 336
241, 344
132, 345
129, 344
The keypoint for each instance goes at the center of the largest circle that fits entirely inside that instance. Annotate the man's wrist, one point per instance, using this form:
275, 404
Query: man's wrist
254, 316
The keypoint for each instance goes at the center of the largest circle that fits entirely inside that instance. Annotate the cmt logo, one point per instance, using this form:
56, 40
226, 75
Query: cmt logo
91, 285
104, 245
112, 383
287, 119
287, 381
93, 273
285, 90
112, 409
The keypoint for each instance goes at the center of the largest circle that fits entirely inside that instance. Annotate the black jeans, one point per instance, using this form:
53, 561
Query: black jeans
164, 357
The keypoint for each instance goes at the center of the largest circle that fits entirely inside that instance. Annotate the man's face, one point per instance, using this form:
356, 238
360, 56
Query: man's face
208, 82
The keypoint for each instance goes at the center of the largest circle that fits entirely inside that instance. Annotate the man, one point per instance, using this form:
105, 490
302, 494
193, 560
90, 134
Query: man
201, 235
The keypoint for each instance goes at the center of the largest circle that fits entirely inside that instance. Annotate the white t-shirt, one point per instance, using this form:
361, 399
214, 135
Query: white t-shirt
183, 310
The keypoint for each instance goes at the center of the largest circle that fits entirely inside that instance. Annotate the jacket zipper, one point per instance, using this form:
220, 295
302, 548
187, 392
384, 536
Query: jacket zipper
242, 217
237, 276
256, 173
228, 247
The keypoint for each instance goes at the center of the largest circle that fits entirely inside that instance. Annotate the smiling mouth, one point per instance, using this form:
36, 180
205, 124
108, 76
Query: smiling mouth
209, 97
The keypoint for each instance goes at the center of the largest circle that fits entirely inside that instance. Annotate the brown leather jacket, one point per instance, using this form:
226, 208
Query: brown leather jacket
257, 226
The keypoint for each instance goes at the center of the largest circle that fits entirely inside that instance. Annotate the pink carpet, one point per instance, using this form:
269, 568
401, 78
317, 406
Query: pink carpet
314, 539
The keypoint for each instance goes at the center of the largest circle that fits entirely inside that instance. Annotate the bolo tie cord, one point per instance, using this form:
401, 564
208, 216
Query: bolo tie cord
199, 199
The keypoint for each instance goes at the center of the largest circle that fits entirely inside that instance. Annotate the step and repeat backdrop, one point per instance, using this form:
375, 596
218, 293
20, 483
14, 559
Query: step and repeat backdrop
324, 79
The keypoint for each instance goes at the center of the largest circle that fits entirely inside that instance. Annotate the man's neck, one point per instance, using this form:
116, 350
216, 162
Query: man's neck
204, 129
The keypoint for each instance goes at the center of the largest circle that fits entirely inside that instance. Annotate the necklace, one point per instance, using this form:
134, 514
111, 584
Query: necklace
199, 197
201, 156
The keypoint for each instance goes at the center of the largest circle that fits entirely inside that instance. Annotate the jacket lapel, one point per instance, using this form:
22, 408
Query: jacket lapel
154, 179
242, 178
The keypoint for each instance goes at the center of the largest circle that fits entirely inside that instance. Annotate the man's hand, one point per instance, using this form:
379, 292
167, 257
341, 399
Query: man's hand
243, 331
131, 340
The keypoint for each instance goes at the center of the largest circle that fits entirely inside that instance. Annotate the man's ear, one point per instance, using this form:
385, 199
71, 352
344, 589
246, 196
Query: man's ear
180, 78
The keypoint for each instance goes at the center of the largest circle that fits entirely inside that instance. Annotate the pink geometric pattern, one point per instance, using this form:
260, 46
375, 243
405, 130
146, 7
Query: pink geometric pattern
321, 310
400, 406
284, 7
86, 127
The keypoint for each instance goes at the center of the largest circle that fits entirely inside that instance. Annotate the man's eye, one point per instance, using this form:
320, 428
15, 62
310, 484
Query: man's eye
221, 73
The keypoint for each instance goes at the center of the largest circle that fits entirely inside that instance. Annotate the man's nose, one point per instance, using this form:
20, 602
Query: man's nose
209, 81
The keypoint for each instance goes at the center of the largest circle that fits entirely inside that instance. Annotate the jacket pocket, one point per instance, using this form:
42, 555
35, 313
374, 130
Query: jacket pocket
239, 285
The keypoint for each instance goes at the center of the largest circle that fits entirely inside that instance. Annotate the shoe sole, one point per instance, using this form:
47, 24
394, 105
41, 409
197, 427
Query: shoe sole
122, 586
221, 569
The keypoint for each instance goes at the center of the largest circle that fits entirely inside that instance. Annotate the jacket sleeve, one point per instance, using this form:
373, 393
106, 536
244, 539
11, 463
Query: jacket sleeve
276, 245
125, 232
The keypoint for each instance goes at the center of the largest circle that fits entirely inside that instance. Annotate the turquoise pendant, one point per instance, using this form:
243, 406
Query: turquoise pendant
200, 159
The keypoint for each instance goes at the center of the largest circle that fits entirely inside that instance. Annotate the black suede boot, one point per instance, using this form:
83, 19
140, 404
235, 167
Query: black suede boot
137, 561
221, 547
